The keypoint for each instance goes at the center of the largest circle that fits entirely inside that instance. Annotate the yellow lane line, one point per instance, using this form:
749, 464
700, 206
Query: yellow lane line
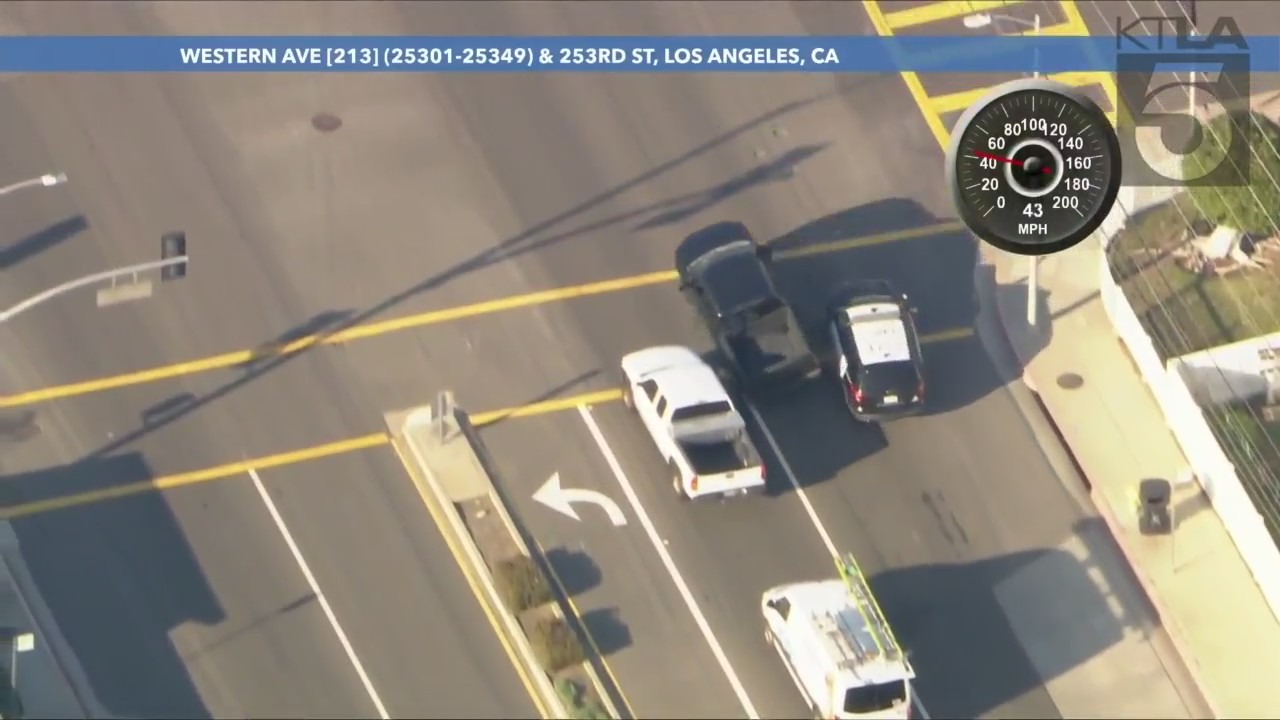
934, 12
317, 452
195, 477
881, 239
437, 516
433, 317
341, 447
359, 332
955, 102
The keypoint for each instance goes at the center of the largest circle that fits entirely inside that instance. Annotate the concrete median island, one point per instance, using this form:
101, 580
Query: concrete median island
540, 633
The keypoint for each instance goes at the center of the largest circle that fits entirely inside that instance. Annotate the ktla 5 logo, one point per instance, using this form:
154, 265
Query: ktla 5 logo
1156, 125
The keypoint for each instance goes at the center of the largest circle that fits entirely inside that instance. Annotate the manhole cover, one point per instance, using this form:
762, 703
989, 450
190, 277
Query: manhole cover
19, 427
1070, 381
326, 122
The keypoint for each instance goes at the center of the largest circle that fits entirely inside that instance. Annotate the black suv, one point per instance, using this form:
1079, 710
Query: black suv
880, 369
725, 276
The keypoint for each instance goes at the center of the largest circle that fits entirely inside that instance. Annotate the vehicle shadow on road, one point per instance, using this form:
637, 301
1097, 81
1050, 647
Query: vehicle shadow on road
34, 244
933, 267
986, 636
118, 577
577, 573
810, 410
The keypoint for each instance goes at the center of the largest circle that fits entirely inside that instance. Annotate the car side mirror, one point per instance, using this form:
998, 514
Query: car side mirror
764, 252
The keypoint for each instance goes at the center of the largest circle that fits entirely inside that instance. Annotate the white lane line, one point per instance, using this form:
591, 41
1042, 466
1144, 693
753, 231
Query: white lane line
808, 507
315, 588
676, 577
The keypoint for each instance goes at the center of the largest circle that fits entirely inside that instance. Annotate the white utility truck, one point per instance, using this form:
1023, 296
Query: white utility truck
692, 420
838, 646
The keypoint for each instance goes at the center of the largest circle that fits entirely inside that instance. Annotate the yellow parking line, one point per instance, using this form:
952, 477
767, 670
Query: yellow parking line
1065, 29
241, 468
1106, 80
933, 108
433, 317
914, 86
934, 12
955, 102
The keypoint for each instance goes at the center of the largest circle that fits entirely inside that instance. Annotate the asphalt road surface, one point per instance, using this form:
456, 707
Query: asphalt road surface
443, 190
191, 604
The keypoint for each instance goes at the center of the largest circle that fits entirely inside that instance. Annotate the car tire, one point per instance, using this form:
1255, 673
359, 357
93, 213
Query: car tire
627, 400
677, 483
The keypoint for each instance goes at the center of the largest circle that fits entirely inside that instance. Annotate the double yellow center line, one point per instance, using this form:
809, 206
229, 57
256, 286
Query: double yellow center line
434, 317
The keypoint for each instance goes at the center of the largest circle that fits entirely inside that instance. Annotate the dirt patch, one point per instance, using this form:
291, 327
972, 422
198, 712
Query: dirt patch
1186, 311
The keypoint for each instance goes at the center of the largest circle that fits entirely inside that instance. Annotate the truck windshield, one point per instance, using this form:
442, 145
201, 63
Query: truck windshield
874, 698
694, 412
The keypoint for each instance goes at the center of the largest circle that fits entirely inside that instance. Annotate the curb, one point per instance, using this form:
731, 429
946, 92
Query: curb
454, 527
1119, 535
609, 693
1105, 511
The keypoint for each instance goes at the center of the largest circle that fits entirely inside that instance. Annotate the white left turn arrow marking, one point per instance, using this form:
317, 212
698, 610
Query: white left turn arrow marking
561, 500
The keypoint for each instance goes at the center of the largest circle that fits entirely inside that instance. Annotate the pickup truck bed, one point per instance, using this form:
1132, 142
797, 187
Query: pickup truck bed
773, 350
721, 457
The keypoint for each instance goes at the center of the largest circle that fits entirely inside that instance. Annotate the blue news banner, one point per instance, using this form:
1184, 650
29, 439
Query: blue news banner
842, 54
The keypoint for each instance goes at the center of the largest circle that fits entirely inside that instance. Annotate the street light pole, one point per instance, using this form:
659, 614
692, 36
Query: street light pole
1191, 85
66, 287
42, 181
1033, 262
982, 20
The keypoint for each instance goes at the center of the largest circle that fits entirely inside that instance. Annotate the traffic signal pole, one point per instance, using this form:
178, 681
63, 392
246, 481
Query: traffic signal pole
172, 265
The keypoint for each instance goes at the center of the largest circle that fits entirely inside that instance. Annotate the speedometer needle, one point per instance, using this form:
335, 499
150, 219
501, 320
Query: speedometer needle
1002, 159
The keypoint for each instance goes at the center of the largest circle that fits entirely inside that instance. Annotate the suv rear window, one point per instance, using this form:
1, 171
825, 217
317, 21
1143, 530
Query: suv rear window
889, 377
708, 409
874, 698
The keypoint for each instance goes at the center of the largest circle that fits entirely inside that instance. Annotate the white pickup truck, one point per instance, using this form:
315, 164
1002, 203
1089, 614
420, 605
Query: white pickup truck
692, 420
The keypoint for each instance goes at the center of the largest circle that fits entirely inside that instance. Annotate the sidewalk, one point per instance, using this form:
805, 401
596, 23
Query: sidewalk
1202, 590
42, 678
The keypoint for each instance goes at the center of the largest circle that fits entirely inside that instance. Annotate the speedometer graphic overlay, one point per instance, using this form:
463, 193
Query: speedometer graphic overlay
1034, 167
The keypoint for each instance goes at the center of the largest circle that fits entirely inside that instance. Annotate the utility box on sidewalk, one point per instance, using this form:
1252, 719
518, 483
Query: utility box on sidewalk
1155, 517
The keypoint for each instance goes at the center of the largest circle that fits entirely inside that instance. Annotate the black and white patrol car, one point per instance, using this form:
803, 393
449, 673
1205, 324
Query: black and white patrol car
879, 366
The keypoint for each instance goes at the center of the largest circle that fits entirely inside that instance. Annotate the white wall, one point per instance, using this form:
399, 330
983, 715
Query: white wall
1228, 373
1213, 470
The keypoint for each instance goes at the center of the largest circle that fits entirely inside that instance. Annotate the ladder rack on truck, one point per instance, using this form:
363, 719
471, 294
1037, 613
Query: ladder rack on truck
871, 642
